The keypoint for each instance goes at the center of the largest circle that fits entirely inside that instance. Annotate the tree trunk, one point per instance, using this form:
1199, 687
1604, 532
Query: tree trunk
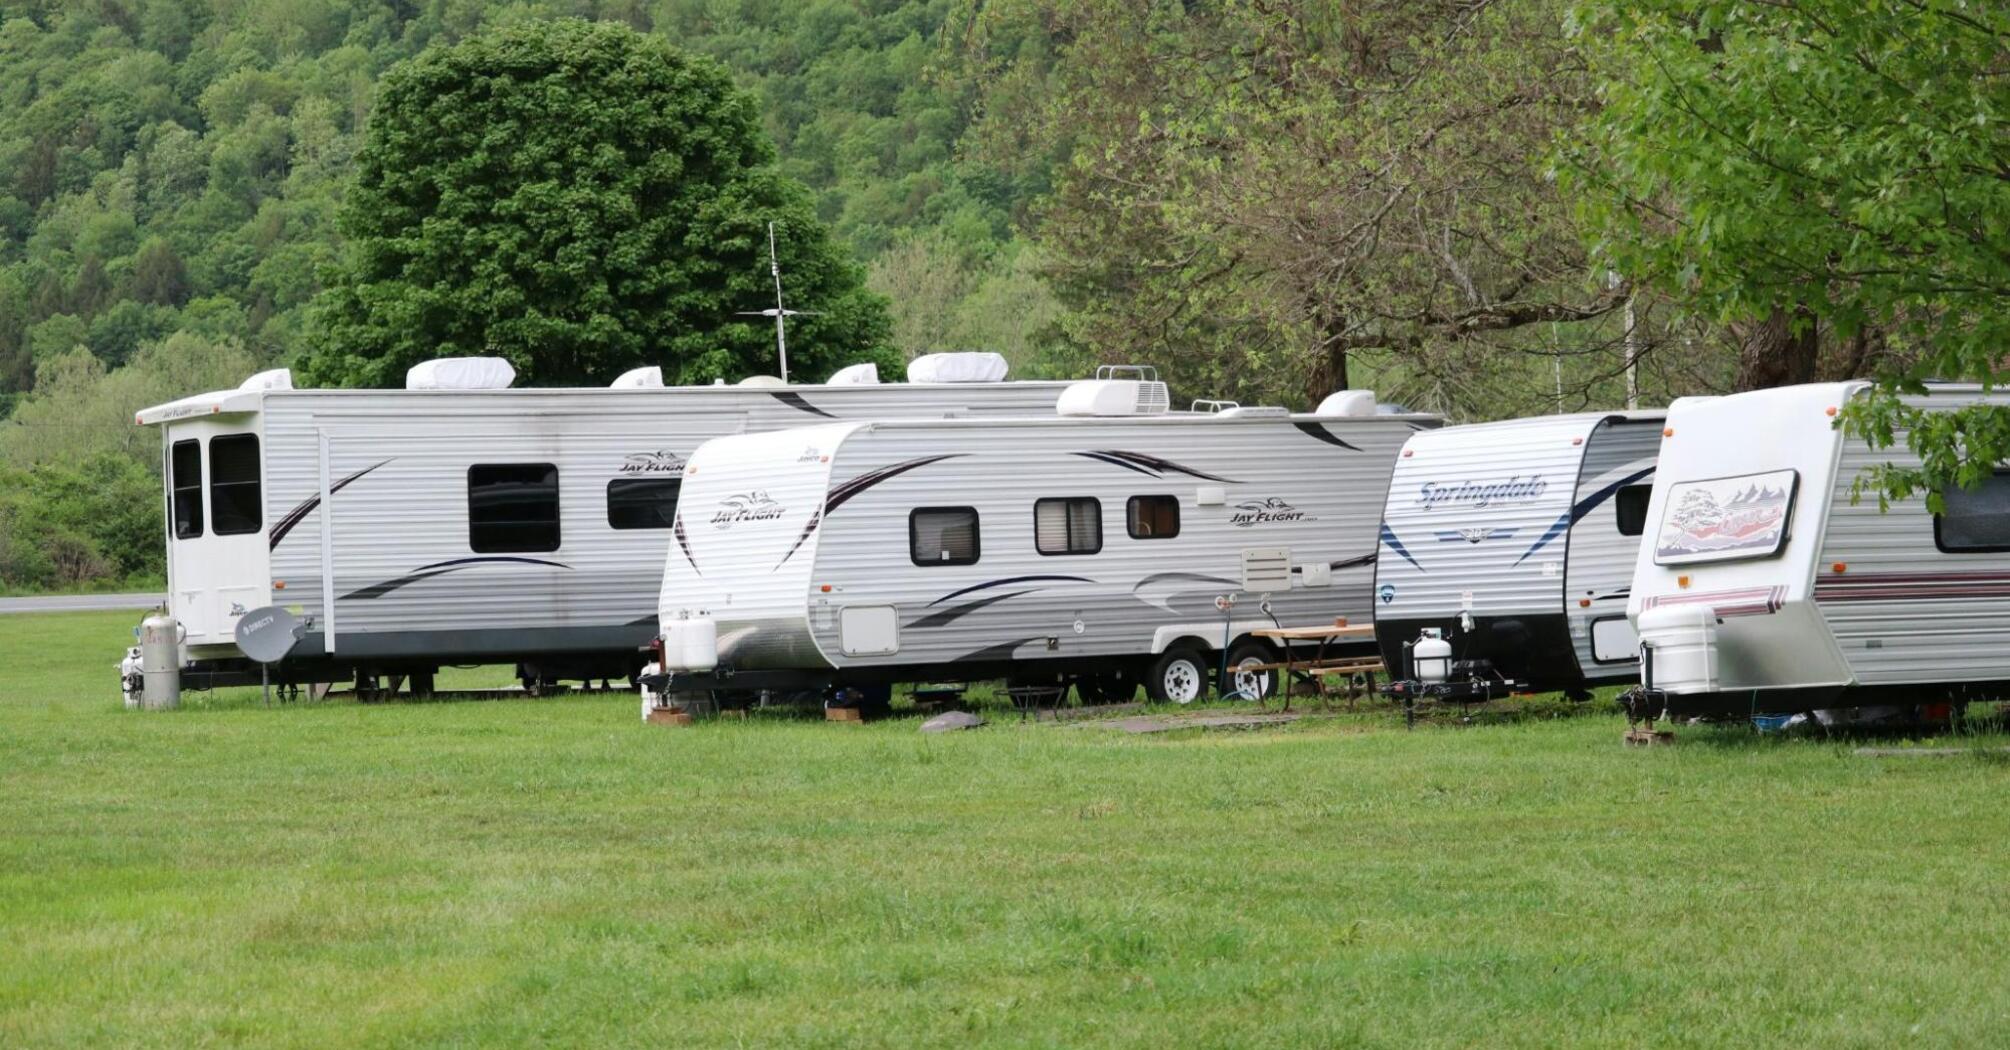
1778, 351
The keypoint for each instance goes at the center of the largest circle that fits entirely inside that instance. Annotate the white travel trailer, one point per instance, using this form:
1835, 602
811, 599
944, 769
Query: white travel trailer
1513, 544
460, 520
1089, 547
1764, 588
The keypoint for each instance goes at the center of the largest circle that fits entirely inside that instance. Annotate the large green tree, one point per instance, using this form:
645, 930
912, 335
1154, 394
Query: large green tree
1835, 168
581, 199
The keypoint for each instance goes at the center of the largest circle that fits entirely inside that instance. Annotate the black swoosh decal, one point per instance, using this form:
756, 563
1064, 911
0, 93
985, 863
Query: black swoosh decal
816, 518
439, 568
1389, 537
1104, 457
795, 400
685, 543
299, 513
1001, 651
1007, 581
1583, 507
1160, 464
957, 612
1324, 434
840, 494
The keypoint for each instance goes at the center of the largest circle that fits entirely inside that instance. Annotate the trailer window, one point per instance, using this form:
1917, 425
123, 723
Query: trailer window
186, 481
512, 507
943, 536
1976, 521
1068, 526
234, 504
642, 503
1631, 505
1152, 517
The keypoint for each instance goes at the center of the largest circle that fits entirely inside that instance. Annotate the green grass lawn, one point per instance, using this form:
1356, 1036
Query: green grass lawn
552, 871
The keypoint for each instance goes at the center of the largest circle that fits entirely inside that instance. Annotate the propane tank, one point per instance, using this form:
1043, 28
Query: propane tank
690, 643
160, 661
1431, 657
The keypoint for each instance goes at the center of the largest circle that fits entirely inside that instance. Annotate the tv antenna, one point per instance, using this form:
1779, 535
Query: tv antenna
779, 313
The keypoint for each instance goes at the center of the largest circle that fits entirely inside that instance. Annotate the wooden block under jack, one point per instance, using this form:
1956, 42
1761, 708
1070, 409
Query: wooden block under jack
843, 714
668, 716
1640, 737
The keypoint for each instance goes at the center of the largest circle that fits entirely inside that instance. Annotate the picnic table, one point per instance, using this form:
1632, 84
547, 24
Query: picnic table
1320, 665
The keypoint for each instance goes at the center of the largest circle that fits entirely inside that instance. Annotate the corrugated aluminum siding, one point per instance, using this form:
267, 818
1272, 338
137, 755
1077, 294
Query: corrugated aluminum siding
1905, 611
1284, 482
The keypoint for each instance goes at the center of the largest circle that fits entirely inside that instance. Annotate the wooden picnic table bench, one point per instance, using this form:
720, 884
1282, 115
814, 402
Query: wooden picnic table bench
1320, 665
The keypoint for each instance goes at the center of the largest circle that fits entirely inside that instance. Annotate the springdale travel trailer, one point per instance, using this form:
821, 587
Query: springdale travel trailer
1086, 547
1507, 551
1763, 588
461, 520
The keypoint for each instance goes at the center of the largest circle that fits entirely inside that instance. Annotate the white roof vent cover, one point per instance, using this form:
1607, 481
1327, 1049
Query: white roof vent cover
638, 378
270, 379
1347, 403
970, 367
461, 373
1113, 397
864, 374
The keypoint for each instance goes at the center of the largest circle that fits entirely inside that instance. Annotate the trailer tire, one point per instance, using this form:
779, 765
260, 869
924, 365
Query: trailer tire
1180, 675
1259, 685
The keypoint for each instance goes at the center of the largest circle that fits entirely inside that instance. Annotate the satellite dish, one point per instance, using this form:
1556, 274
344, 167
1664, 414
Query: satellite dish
267, 635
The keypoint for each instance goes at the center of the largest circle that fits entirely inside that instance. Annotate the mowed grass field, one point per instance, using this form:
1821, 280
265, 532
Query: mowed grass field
553, 872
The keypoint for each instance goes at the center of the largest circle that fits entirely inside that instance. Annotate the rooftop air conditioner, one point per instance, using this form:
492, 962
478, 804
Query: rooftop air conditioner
461, 373
1113, 397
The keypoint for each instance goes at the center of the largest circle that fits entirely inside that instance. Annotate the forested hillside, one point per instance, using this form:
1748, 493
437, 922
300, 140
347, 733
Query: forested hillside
1485, 209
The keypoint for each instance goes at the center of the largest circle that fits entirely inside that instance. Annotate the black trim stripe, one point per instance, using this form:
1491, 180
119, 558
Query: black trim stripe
684, 542
795, 400
305, 507
1104, 457
441, 568
1323, 434
1006, 582
1158, 464
945, 617
839, 495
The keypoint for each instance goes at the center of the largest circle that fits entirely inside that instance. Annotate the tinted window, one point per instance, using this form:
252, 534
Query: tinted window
512, 507
1631, 503
1975, 521
642, 503
1152, 517
234, 504
1068, 526
186, 480
942, 536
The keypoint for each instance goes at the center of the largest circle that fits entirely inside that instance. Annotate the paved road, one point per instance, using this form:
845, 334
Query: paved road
80, 602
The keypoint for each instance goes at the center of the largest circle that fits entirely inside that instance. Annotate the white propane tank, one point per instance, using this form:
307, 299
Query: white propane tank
160, 661
1431, 657
1684, 640
690, 643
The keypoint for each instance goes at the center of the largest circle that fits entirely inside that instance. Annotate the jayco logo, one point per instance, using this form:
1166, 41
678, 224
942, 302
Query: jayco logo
752, 506
1516, 489
810, 455
661, 461
1265, 512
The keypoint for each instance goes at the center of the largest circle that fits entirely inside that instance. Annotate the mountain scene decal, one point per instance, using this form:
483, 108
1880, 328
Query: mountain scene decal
1738, 517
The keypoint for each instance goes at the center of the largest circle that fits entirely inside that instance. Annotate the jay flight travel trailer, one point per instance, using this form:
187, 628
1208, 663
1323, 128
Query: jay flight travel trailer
461, 520
1088, 547
1764, 588
1506, 553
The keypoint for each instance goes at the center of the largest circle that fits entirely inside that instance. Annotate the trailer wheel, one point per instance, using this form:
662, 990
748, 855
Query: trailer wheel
1179, 675
1250, 684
